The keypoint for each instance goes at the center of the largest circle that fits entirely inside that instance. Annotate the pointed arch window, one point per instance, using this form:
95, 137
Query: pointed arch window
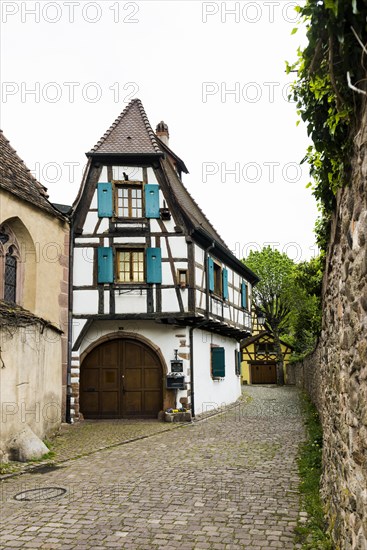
10, 290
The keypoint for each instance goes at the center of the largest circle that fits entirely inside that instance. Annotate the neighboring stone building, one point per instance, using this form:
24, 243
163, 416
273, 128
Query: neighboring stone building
34, 242
150, 276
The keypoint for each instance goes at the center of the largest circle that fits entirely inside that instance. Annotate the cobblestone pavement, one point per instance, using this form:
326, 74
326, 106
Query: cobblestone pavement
228, 482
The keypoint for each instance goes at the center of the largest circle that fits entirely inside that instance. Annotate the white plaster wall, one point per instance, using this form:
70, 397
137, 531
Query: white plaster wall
164, 248
106, 298
103, 178
131, 303
169, 300
94, 203
83, 266
151, 176
178, 247
87, 240
104, 226
30, 382
134, 172
77, 327
90, 222
199, 254
127, 240
85, 301
209, 393
166, 274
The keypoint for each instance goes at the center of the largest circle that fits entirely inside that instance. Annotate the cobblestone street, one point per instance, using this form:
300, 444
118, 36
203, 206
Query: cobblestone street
227, 482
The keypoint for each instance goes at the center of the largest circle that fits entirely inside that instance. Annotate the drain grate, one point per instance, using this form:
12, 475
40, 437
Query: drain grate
40, 494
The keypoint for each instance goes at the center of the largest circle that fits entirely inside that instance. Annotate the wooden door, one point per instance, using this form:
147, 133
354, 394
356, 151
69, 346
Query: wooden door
264, 373
121, 378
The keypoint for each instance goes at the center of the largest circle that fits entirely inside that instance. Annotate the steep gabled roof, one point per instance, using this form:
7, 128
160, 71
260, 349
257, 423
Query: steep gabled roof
188, 204
130, 134
17, 179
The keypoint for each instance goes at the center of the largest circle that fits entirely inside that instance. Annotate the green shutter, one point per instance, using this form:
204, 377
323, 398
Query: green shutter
225, 283
151, 200
105, 202
238, 359
154, 265
105, 265
244, 296
211, 274
218, 363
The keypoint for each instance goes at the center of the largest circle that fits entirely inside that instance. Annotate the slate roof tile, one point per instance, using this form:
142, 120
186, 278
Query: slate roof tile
17, 179
131, 133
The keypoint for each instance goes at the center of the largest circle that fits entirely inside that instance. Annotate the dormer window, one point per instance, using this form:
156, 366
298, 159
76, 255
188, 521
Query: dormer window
129, 199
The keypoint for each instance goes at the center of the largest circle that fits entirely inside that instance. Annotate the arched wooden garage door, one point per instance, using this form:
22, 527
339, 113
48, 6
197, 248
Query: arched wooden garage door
121, 379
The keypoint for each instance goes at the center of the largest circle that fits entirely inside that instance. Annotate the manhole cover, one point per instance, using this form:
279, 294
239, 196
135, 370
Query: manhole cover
42, 493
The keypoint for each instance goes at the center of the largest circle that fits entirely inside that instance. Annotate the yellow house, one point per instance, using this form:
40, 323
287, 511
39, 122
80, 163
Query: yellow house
258, 364
34, 259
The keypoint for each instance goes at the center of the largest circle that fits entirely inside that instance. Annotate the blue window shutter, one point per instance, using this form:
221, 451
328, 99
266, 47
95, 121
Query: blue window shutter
105, 265
154, 265
211, 274
218, 363
244, 295
151, 200
225, 283
105, 202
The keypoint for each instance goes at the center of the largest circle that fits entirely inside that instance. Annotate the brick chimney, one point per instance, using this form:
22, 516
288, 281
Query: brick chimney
162, 132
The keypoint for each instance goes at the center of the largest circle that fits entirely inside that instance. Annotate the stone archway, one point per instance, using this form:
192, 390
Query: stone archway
121, 377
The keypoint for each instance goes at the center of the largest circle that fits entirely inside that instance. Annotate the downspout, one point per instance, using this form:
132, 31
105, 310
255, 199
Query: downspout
70, 325
191, 331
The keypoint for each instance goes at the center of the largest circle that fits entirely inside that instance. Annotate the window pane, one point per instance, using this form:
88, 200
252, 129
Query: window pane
10, 279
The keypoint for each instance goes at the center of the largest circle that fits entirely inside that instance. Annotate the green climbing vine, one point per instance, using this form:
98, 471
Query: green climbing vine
334, 59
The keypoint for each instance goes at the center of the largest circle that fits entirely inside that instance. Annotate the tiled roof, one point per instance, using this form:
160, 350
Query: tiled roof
188, 204
17, 179
131, 134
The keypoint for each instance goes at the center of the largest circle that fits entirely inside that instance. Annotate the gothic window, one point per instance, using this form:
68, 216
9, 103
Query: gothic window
9, 266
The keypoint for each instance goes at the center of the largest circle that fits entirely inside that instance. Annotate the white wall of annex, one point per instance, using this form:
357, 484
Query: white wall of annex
212, 394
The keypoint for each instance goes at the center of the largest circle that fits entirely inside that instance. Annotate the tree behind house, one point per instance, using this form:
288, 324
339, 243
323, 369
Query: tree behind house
276, 295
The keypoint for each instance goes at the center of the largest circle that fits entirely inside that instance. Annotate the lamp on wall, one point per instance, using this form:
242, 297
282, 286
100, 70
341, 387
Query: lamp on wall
261, 318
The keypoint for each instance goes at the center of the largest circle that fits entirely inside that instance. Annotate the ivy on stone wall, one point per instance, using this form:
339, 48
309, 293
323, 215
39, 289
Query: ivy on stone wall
334, 60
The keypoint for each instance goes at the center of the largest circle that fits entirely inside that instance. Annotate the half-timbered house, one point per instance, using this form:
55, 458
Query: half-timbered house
259, 358
159, 301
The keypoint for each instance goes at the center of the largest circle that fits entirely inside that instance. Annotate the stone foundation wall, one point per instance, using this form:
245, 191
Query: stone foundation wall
336, 374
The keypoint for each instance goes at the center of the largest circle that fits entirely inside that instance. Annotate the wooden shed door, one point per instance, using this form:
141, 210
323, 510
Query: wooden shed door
121, 378
264, 374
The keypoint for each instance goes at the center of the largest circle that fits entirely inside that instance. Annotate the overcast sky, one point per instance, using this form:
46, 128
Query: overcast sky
213, 71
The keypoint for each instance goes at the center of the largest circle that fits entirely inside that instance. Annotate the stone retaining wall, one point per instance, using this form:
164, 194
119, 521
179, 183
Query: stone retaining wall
335, 375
